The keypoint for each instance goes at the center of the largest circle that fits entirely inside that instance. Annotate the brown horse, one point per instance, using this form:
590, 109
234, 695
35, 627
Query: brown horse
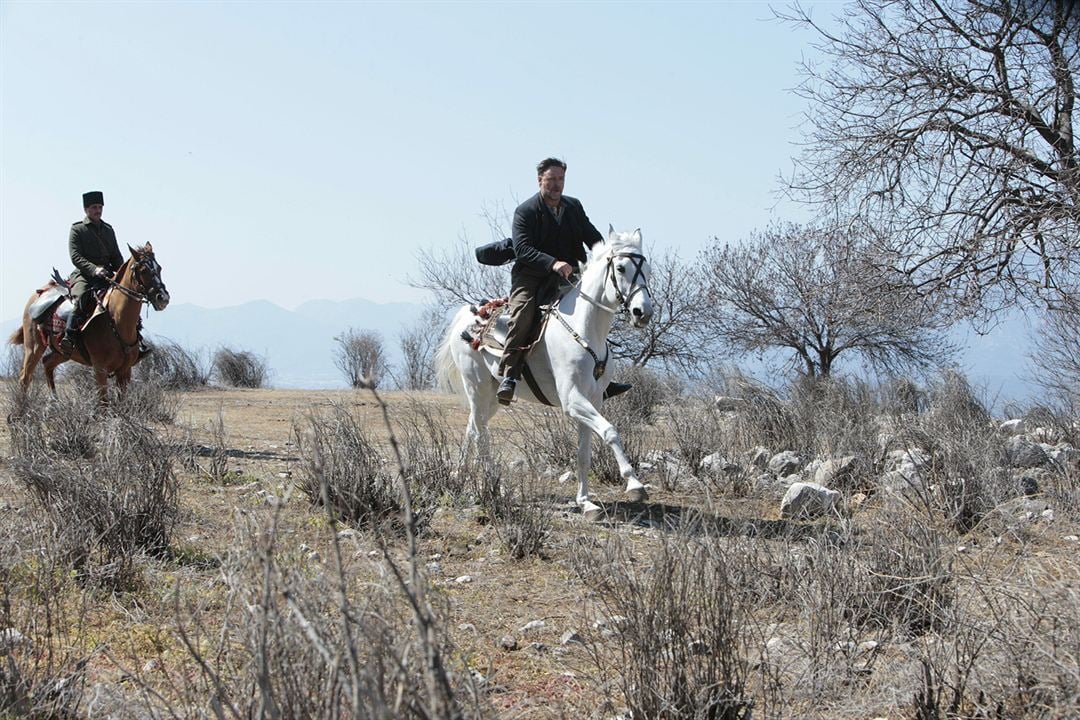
110, 336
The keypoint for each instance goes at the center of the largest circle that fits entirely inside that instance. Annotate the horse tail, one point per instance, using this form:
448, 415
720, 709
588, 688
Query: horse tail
16, 337
446, 371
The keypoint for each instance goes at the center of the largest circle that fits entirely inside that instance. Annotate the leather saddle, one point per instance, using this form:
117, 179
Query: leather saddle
488, 333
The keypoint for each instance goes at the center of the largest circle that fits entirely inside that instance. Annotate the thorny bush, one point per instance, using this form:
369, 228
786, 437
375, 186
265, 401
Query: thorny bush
106, 478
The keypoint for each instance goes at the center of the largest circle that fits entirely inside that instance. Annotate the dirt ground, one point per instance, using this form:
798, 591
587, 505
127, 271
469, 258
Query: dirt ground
135, 631
488, 597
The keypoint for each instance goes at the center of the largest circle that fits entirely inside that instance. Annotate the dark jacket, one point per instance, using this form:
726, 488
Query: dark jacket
92, 246
539, 240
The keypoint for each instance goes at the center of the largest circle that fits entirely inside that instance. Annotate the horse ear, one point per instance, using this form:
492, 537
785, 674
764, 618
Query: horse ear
132, 250
610, 230
637, 235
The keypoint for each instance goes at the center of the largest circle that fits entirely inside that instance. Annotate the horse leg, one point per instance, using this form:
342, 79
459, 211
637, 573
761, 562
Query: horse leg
49, 366
101, 377
481, 409
579, 408
123, 377
32, 352
589, 509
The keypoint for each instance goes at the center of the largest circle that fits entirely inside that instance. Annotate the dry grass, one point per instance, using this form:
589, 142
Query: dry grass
896, 610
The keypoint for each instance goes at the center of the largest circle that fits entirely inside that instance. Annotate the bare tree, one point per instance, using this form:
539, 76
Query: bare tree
1055, 357
418, 345
454, 277
361, 357
675, 336
816, 293
952, 122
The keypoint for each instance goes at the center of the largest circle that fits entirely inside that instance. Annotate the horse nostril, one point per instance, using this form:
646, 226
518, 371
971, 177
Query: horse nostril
637, 312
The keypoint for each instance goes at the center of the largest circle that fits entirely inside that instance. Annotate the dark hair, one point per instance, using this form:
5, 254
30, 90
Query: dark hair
548, 163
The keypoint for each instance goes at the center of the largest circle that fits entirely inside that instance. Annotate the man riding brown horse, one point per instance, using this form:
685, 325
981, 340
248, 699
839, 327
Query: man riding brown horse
96, 257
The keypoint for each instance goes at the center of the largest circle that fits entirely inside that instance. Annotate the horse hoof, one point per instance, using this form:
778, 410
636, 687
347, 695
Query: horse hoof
637, 495
592, 511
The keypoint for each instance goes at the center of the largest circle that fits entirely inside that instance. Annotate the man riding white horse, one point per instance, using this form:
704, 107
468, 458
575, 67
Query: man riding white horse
551, 232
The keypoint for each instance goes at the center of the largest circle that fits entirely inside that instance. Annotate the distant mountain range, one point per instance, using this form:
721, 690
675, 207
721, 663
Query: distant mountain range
299, 344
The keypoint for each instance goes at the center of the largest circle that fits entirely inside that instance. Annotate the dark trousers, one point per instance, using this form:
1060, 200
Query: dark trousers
82, 298
526, 294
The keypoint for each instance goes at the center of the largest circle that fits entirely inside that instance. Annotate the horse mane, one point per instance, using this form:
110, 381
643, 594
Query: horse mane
140, 250
613, 243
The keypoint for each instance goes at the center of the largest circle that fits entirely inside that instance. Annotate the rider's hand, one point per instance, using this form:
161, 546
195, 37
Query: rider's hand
102, 272
562, 268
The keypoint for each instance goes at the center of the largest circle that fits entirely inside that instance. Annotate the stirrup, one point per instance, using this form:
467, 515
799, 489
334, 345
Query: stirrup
505, 393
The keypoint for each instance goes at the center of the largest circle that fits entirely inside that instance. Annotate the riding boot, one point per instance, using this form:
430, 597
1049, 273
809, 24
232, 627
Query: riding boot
616, 388
505, 393
72, 333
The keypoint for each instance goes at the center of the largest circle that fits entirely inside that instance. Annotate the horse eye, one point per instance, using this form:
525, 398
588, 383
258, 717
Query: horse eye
621, 270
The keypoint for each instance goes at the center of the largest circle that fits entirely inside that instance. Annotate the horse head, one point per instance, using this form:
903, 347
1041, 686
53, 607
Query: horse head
145, 274
622, 268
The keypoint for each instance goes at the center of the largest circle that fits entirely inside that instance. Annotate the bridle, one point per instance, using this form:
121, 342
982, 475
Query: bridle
142, 293
638, 260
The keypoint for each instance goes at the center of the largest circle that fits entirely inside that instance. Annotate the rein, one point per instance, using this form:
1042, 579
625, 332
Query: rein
140, 297
638, 260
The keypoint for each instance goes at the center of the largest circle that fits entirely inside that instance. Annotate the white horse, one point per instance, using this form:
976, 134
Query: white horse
569, 363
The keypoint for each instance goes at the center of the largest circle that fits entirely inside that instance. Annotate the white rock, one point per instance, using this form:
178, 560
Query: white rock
808, 500
785, 463
1023, 453
759, 457
834, 470
567, 477
10, 638
463, 579
1016, 426
532, 625
571, 636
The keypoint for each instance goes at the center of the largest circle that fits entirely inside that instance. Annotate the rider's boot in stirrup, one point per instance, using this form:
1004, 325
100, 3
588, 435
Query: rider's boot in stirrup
505, 393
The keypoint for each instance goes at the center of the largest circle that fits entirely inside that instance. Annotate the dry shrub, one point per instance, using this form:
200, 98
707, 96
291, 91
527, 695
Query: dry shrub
43, 647
300, 638
173, 367
210, 460
1011, 650
148, 401
765, 418
698, 429
650, 391
342, 468
107, 480
681, 625
11, 361
522, 524
964, 479
240, 368
911, 585
429, 448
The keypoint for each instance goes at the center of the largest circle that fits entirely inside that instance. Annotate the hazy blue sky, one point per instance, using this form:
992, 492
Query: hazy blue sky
289, 151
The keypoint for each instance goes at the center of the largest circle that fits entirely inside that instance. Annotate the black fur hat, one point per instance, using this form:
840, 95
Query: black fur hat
94, 197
